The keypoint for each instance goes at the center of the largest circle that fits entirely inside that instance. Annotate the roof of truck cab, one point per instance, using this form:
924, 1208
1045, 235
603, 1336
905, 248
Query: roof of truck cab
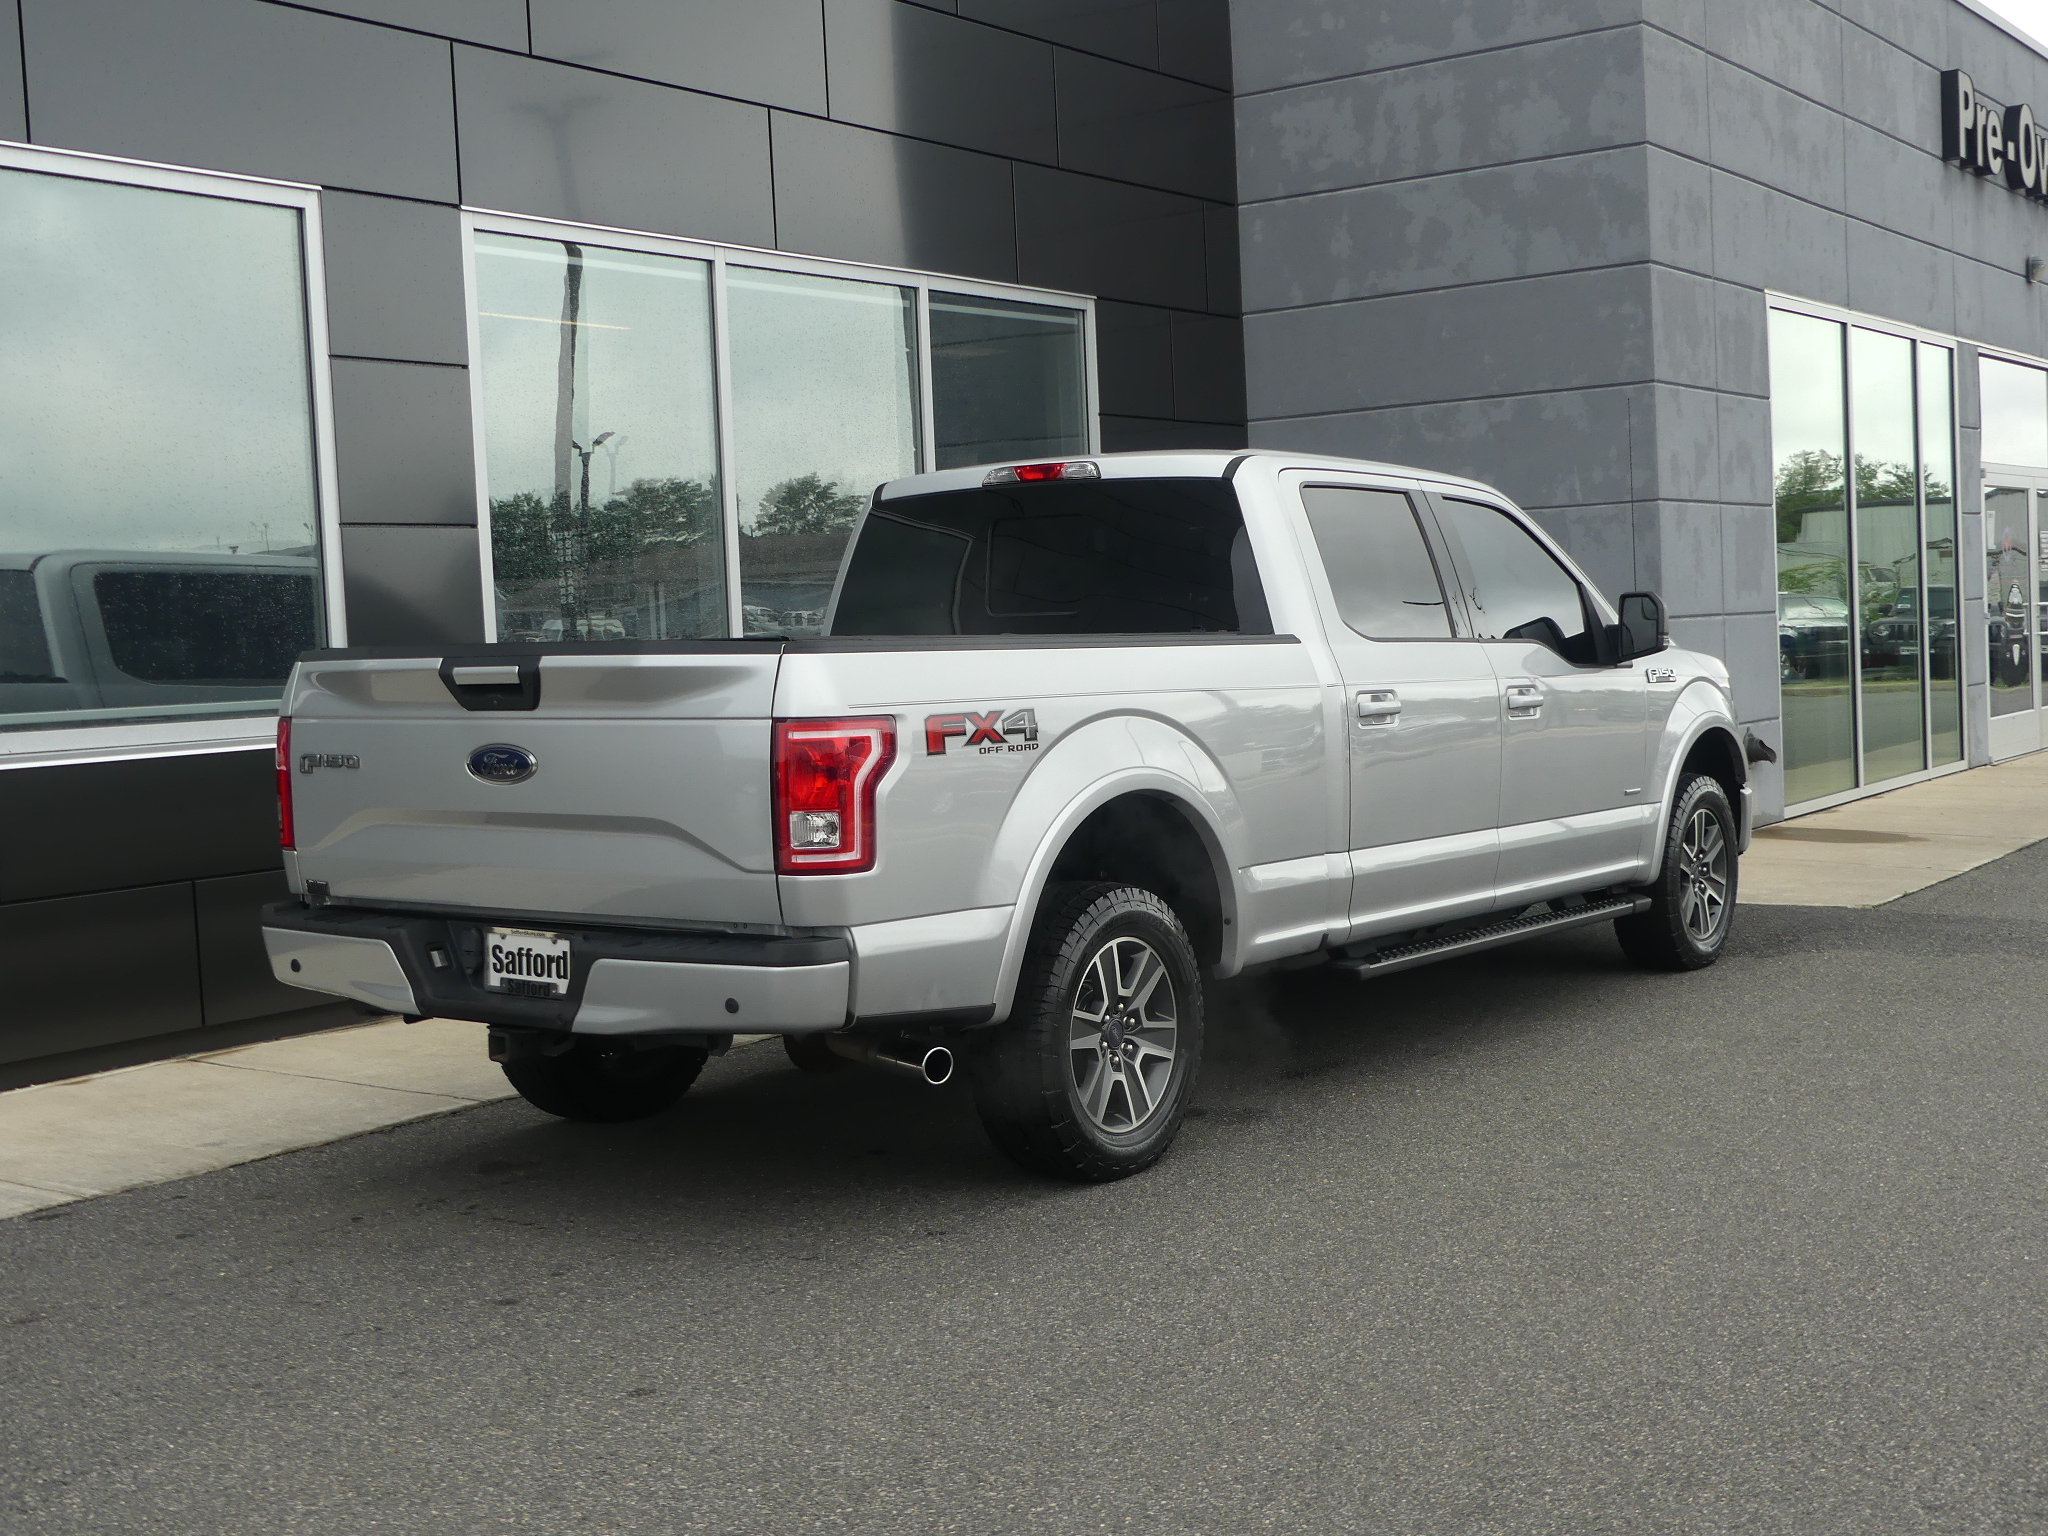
1180, 463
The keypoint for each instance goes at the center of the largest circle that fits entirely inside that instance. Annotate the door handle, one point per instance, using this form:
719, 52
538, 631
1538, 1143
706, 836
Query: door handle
1379, 706
1525, 701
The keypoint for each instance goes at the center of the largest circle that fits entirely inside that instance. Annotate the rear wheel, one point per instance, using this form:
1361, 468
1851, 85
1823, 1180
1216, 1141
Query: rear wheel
1089, 1079
607, 1081
1692, 901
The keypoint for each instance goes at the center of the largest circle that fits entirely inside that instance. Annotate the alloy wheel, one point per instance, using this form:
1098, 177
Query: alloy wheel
1703, 873
1123, 1035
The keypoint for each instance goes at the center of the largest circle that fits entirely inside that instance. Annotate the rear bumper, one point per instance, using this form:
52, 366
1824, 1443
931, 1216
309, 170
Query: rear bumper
623, 982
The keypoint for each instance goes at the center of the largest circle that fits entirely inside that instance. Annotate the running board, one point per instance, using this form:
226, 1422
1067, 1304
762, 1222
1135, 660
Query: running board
1406, 956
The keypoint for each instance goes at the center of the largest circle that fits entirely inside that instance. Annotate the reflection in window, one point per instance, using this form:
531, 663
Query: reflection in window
1378, 562
158, 528
1008, 380
1810, 451
600, 433
1887, 553
1937, 623
2008, 612
2015, 401
824, 409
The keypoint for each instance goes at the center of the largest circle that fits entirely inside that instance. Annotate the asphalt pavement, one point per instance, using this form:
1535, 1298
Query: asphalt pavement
1531, 1244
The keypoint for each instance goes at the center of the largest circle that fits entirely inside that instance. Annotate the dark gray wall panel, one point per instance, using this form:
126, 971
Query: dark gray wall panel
1208, 368
93, 970
235, 979
394, 279
402, 443
1130, 434
569, 144
417, 585
497, 23
1135, 365
914, 71
13, 103
1122, 29
866, 196
144, 821
236, 85
1284, 42
1226, 282
1555, 98
1111, 240
1136, 126
770, 51
1194, 40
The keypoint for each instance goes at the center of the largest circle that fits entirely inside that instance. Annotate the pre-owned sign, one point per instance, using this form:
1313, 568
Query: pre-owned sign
1992, 140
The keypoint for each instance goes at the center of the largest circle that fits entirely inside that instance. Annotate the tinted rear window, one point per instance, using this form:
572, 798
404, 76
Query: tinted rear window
24, 648
1103, 557
206, 626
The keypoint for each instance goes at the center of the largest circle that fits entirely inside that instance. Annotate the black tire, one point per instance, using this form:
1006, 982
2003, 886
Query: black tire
606, 1081
1065, 1110
1692, 901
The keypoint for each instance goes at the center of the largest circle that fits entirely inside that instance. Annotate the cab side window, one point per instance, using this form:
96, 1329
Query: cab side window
1378, 562
1518, 590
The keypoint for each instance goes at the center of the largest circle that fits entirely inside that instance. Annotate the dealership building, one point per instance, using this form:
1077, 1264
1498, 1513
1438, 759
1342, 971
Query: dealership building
425, 323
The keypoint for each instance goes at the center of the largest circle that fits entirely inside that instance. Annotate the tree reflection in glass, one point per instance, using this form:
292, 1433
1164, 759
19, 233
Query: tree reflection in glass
600, 428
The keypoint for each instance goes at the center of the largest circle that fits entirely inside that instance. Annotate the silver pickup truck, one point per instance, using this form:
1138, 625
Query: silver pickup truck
1075, 738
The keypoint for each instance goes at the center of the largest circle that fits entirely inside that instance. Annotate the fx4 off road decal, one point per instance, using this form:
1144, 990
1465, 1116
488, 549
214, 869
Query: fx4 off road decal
986, 734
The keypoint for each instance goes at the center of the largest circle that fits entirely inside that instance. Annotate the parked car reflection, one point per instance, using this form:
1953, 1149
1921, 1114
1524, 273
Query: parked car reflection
1895, 638
1813, 636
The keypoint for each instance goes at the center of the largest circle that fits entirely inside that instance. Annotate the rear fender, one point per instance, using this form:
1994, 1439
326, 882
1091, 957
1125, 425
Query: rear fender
1700, 709
1091, 766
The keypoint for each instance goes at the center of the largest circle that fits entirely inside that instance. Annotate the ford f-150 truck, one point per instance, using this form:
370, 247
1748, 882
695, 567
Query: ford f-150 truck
1076, 738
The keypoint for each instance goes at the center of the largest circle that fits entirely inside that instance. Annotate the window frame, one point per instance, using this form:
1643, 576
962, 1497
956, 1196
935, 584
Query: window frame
720, 256
42, 746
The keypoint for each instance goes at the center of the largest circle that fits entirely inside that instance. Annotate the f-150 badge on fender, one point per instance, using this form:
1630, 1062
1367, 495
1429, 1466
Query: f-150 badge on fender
986, 733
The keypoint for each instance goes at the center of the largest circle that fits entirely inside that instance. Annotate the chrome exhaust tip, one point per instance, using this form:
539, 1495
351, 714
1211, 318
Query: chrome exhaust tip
930, 1063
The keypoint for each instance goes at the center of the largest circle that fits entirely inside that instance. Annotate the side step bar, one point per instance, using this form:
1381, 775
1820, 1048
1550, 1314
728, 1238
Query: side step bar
1407, 956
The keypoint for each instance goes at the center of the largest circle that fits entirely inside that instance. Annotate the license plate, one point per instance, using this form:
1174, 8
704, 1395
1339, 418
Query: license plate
525, 963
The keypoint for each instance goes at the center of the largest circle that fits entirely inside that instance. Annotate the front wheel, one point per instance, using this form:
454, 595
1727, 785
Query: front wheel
1692, 901
606, 1080
1089, 1078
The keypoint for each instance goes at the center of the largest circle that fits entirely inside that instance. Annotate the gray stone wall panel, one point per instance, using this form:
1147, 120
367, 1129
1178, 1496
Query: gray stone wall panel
1765, 239
768, 51
1797, 43
1769, 135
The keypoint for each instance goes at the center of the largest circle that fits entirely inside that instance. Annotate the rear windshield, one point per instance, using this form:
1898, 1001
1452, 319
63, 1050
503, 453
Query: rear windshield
1074, 557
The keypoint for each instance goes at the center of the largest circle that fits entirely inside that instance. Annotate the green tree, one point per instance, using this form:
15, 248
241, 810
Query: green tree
808, 504
1808, 481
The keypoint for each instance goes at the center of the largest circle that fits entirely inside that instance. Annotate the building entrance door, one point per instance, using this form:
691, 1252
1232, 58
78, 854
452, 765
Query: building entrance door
2015, 584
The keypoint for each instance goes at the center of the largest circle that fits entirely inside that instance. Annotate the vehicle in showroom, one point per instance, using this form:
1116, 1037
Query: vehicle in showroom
1078, 737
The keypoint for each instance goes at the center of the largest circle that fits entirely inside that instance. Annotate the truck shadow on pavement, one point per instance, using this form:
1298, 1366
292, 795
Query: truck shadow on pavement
755, 1129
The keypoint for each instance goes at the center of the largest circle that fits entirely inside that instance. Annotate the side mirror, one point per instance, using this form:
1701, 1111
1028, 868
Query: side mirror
1642, 630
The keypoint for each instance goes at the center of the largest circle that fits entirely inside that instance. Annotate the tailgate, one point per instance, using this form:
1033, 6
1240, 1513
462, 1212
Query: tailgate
645, 788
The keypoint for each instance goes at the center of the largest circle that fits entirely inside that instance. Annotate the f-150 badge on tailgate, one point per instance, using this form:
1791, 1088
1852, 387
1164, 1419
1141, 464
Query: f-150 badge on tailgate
987, 733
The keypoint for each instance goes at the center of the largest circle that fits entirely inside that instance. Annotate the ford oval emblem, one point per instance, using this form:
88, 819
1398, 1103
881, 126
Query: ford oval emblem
501, 763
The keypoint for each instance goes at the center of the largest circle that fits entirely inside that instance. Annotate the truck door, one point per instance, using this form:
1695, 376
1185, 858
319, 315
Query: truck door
1574, 794
1421, 710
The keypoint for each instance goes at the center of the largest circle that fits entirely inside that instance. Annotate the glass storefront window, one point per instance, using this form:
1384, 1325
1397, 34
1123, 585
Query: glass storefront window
825, 408
2015, 402
2007, 611
1010, 380
1939, 621
678, 438
1884, 429
601, 442
160, 527
1810, 450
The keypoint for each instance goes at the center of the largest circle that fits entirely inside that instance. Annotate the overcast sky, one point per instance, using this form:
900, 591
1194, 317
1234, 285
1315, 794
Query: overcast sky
2029, 15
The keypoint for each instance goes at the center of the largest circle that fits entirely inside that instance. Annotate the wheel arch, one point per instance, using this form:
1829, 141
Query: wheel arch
1700, 737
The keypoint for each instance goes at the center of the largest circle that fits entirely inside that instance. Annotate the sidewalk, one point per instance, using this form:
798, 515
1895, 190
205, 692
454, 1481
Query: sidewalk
169, 1119
1877, 850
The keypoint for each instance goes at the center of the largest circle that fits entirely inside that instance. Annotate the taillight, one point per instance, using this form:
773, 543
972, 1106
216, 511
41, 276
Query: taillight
286, 838
826, 774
